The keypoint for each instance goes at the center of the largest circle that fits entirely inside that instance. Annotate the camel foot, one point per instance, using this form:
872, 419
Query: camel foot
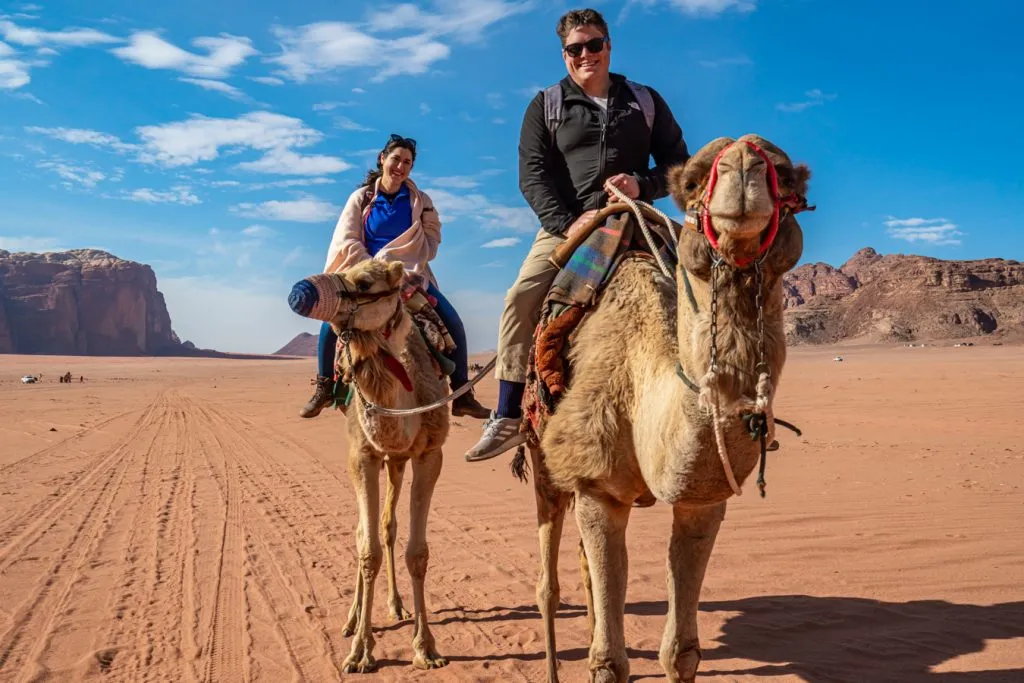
682, 668
606, 674
398, 613
429, 659
360, 662
349, 629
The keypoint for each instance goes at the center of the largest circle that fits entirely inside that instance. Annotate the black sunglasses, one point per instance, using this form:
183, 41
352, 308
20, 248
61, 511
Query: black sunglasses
395, 137
594, 46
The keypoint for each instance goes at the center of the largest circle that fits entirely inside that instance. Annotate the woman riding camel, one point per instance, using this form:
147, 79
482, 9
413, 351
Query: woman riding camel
390, 219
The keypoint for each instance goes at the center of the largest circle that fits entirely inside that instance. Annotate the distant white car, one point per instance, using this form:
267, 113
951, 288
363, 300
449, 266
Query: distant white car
838, 359
29, 379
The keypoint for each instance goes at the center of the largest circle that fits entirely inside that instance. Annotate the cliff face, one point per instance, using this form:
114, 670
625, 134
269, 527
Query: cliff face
81, 302
878, 298
304, 344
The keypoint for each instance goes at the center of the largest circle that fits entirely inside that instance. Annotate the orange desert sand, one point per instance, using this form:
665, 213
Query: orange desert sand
183, 523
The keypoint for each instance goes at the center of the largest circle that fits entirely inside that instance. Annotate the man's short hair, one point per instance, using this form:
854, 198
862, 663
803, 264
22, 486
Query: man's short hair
580, 17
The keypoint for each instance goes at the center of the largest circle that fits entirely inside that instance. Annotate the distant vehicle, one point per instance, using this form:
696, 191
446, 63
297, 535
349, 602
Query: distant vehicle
29, 379
838, 359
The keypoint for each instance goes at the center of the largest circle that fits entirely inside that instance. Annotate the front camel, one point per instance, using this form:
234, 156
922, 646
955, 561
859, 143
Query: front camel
388, 362
669, 396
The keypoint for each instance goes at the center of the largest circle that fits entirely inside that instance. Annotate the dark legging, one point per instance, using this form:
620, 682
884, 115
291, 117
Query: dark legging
447, 312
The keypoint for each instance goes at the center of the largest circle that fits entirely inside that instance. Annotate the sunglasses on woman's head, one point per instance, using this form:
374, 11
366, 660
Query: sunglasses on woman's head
395, 137
594, 46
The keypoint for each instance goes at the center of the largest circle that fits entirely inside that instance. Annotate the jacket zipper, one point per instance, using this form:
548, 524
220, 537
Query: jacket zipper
604, 128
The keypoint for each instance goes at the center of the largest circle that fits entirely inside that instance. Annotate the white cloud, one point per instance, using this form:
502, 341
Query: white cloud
258, 232
29, 244
345, 123
358, 91
267, 80
325, 46
73, 175
200, 138
705, 8
217, 86
83, 136
179, 194
36, 37
13, 73
424, 108
306, 209
283, 161
489, 215
331, 106
814, 97
252, 314
501, 243
290, 182
224, 53
934, 231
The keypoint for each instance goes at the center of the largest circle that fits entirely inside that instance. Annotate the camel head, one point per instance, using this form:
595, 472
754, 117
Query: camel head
742, 195
365, 297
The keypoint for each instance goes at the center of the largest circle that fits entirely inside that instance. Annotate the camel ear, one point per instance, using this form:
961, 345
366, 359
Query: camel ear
802, 175
395, 272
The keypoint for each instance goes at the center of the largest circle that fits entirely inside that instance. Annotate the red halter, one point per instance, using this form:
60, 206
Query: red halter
773, 184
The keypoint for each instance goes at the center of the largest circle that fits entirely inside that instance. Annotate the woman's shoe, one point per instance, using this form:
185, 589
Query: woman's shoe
322, 397
467, 405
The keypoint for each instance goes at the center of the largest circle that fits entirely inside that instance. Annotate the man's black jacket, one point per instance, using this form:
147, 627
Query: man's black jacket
561, 182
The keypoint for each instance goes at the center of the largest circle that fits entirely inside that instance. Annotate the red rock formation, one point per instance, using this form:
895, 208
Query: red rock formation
304, 344
82, 302
877, 298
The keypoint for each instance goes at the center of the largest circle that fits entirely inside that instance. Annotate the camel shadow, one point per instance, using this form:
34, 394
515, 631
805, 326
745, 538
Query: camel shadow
839, 639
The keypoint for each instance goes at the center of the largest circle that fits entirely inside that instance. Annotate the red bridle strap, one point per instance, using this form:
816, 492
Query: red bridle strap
773, 186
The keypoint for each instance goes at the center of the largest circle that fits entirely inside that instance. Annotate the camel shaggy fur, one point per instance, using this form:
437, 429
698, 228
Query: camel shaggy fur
380, 325
630, 430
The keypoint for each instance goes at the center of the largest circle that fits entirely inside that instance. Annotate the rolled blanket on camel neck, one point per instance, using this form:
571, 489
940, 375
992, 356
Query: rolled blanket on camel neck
315, 297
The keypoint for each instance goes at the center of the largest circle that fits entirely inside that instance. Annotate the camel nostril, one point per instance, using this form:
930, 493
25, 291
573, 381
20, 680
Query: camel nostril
303, 297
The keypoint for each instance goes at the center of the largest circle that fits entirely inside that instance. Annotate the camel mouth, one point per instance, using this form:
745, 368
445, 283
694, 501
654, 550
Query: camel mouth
743, 227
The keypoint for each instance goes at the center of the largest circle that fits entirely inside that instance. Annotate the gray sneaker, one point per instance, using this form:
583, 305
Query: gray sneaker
500, 434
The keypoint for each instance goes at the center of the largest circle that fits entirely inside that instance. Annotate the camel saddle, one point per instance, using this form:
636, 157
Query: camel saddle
586, 261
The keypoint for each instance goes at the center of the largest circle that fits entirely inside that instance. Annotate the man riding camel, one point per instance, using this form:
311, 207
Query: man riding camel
592, 130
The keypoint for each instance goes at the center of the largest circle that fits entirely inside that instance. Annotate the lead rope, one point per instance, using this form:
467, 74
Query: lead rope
633, 205
709, 397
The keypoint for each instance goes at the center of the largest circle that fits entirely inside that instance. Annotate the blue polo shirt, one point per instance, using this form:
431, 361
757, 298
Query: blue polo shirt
389, 217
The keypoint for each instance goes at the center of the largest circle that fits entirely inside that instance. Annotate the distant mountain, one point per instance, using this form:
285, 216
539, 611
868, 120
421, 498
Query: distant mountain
82, 302
902, 298
304, 344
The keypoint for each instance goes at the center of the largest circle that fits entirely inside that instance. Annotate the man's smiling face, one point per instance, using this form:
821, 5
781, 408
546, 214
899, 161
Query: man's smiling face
587, 64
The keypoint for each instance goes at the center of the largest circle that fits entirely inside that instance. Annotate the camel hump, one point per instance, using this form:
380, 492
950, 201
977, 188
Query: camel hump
553, 105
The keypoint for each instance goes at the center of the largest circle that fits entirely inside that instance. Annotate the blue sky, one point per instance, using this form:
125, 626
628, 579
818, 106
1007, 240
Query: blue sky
217, 141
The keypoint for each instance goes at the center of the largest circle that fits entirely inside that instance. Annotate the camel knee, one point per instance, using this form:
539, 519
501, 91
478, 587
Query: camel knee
416, 560
548, 593
370, 560
389, 532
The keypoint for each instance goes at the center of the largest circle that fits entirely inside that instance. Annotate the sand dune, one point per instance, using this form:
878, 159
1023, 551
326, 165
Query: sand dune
183, 524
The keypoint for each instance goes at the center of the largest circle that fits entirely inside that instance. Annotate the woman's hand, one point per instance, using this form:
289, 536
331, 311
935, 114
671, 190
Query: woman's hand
625, 183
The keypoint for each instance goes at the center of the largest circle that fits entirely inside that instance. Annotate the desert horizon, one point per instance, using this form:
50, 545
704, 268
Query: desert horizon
174, 519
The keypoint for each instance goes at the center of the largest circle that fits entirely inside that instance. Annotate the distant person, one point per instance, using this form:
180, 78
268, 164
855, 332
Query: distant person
389, 218
607, 129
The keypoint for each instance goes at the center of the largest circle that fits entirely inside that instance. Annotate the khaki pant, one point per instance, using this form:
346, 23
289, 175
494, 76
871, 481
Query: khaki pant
522, 308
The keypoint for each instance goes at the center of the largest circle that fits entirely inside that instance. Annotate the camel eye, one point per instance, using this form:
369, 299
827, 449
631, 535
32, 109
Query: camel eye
691, 186
364, 285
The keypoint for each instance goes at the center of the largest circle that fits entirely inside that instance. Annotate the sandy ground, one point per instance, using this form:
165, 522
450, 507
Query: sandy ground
174, 520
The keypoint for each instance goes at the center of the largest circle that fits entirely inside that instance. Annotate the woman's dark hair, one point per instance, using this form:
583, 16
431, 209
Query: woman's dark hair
394, 142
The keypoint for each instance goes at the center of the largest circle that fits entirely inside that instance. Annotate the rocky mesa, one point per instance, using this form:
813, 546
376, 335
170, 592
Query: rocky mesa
902, 298
82, 302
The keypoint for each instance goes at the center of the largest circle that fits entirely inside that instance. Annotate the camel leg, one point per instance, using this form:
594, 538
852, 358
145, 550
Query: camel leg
357, 597
425, 471
364, 470
693, 536
588, 586
602, 522
389, 530
551, 507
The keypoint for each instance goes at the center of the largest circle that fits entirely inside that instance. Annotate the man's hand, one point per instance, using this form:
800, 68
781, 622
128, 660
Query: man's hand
578, 224
625, 183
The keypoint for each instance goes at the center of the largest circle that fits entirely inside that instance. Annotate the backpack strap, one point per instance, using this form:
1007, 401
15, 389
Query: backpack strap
645, 100
553, 108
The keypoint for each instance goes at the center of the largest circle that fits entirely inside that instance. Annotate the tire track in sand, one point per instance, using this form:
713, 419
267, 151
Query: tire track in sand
35, 619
